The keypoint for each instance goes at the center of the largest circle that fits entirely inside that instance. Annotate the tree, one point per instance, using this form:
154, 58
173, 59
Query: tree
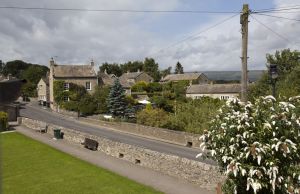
34, 73
152, 117
257, 145
132, 66
151, 68
87, 105
15, 68
116, 100
111, 69
166, 72
1, 66
178, 68
101, 95
287, 84
139, 87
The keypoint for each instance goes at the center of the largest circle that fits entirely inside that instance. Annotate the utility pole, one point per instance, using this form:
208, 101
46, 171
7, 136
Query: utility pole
244, 22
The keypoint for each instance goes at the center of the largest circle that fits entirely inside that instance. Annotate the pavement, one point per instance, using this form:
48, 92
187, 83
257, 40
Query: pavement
145, 176
37, 113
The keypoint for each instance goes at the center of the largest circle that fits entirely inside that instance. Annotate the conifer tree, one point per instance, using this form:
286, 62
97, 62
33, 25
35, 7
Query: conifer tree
116, 100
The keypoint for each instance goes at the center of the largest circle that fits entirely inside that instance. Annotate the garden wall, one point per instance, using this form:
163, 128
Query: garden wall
203, 174
171, 136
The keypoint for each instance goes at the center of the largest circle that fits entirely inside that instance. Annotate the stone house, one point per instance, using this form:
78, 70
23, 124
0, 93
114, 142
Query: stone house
128, 79
105, 79
43, 91
193, 78
83, 75
221, 91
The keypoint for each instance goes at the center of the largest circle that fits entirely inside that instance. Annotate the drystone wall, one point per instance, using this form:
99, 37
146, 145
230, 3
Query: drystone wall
171, 136
202, 174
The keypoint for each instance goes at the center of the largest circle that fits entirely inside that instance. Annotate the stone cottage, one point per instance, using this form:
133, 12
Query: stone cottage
221, 91
43, 91
193, 78
128, 79
83, 75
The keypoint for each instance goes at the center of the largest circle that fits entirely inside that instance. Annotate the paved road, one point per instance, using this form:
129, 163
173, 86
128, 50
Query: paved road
56, 119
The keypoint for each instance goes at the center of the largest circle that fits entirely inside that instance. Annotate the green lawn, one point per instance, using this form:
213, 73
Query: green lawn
32, 167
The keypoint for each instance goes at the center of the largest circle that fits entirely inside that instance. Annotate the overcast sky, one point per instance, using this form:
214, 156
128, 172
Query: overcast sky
77, 37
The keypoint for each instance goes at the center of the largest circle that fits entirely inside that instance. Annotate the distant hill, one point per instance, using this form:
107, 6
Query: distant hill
253, 75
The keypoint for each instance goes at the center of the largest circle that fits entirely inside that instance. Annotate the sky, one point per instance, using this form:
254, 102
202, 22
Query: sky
76, 37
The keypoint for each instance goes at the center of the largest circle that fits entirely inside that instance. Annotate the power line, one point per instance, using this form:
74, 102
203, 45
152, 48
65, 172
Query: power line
196, 34
292, 19
277, 34
276, 10
118, 10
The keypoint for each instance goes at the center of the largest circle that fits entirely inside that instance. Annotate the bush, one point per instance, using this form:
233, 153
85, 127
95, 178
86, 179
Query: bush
152, 117
139, 87
257, 145
3, 121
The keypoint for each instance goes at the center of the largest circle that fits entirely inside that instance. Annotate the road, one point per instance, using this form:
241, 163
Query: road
155, 145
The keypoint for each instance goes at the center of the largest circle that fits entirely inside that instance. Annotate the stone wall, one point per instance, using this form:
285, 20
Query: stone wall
171, 136
196, 172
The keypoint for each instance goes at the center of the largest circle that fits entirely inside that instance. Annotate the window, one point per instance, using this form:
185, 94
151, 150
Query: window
66, 86
88, 85
224, 97
66, 98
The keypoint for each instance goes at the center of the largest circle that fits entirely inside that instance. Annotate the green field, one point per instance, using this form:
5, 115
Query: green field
32, 167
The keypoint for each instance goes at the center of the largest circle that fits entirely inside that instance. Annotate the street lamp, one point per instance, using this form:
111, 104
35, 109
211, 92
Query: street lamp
274, 75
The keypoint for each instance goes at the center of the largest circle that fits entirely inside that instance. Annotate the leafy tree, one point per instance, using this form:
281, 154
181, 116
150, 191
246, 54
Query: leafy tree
101, 95
288, 65
86, 105
154, 87
29, 90
111, 69
132, 66
34, 73
178, 68
15, 68
116, 100
257, 145
151, 68
139, 87
194, 115
162, 103
152, 117
1, 66
166, 72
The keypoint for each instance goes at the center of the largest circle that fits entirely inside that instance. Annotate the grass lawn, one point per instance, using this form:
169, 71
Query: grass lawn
32, 167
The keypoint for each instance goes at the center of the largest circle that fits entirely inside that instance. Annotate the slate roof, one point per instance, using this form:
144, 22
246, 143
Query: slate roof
213, 88
179, 77
74, 71
128, 79
131, 75
46, 80
106, 79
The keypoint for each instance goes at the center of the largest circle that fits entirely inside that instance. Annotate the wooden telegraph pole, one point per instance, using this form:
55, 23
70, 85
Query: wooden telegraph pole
244, 22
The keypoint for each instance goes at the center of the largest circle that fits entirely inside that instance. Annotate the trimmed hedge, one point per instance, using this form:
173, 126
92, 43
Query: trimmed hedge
3, 121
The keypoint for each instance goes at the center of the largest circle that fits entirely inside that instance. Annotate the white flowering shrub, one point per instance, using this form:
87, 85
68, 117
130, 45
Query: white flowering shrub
257, 145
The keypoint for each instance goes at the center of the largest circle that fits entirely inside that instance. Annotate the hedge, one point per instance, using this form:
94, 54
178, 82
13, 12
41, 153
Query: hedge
3, 121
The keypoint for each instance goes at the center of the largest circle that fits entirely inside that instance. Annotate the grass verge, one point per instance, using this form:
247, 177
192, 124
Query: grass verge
30, 167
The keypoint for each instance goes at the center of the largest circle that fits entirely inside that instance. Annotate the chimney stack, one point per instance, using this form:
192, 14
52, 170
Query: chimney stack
105, 71
92, 63
51, 62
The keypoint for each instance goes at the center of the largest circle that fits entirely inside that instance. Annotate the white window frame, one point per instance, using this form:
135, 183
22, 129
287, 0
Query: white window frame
66, 99
88, 84
66, 86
